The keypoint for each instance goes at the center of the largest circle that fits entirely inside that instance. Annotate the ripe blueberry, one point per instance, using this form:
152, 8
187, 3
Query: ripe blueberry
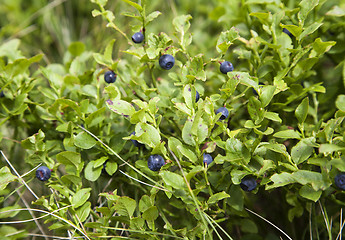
155, 162
340, 181
248, 184
166, 61
43, 173
197, 96
135, 142
2, 94
207, 158
226, 67
224, 111
109, 77
138, 37
287, 32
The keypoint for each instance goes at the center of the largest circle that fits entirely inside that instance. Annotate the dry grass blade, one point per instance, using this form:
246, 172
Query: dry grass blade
269, 223
18, 175
47, 214
117, 155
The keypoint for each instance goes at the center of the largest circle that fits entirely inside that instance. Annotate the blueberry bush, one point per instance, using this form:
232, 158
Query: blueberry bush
172, 119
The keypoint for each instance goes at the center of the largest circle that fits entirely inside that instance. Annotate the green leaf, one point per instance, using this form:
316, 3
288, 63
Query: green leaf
76, 48
217, 197
189, 154
278, 148
92, 172
248, 226
144, 203
150, 214
321, 47
237, 151
309, 30
295, 30
329, 148
80, 197
6, 177
273, 116
84, 140
111, 167
121, 107
147, 134
309, 193
135, 5
287, 134
10, 49
302, 110
172, 179
181, 23
84, 211
151, 17
101, 3
174, 144
69, 158
306, 7
226, 39
244, 78
340, 102
9, 211
187, 132
236, 199
125, 206
267, 93
302, 150
255, 110
280, 180
315, 179
336, 11
187, 95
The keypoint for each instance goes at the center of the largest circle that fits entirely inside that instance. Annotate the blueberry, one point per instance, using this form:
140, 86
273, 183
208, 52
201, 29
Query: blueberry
224, 111
197, 96
43, 173
287, 32
166, 61
340, 181
138, 37
109, 77
2, 94
248, 184
135, 142
226, 67
207, 158
155, 162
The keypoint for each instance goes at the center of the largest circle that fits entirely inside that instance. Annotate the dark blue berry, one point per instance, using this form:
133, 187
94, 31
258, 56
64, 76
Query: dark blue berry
248, 184
207, 158
138, 37
155, 162
224, 111
2, 94
287, 32
340, 181
43, 173
197, 96
135, 142
166, 61
226, 67
109, 77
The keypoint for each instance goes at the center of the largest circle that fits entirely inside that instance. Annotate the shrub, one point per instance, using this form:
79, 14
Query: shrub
287, 134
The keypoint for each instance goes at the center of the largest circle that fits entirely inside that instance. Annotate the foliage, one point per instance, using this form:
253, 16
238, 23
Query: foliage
285, 126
